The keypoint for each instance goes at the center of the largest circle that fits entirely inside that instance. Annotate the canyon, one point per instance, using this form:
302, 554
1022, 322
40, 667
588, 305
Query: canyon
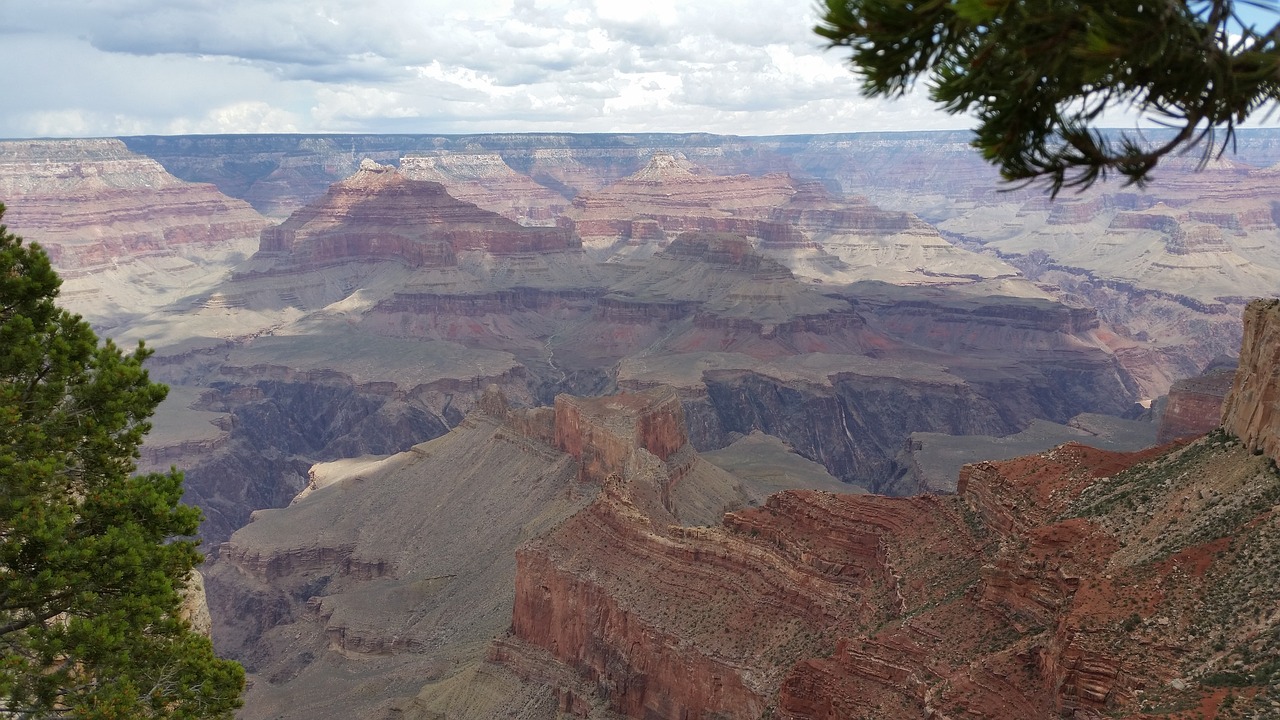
1076, 582
666, 404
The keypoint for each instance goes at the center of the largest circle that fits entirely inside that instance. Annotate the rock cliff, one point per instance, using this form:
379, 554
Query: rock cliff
1075, 583
1252, 410
1194, 405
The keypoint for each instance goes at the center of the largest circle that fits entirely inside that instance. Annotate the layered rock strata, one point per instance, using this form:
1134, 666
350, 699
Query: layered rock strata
1194, 405
92, 203
797, 222
126, 236
1035, 593
486, 180
1252, 410
380, 214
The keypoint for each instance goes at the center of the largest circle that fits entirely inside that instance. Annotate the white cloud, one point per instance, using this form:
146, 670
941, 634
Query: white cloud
170, 66
238, 118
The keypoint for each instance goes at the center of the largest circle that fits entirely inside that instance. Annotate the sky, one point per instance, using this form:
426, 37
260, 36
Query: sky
88, 68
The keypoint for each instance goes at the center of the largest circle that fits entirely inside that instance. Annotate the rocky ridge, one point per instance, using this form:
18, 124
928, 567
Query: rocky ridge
380, 214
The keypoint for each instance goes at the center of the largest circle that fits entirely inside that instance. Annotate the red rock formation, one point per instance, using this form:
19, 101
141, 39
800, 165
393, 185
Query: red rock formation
1194, 405
379, 214
1014, 599
602, 433
1252, 410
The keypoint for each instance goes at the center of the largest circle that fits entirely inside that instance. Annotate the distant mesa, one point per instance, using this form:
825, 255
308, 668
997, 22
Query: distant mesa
663, 167
379, 214
92, 203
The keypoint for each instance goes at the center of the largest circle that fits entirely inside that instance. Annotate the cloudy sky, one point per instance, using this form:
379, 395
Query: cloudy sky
123, 67
116, 67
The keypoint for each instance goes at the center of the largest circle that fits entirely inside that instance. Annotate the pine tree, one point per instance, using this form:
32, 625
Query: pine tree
1040, 75
92, 557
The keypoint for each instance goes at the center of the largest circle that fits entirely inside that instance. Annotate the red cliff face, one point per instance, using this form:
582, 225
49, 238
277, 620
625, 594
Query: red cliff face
1194, 405
602, 433
379, 214
664, 621
1252, 410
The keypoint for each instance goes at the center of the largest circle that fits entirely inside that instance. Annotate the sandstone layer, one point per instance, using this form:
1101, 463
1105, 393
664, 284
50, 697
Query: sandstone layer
486, 180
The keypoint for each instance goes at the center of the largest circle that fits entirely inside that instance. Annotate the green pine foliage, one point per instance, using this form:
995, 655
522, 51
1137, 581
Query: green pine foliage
92, 557
1039, 75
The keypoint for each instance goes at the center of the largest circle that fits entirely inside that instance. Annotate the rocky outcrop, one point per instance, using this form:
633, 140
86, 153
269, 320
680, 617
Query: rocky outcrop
602, 433
378, 214
1252, 409
195, 606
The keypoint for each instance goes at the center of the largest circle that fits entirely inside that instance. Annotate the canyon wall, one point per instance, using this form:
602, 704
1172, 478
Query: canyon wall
1252, 410
126, 236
